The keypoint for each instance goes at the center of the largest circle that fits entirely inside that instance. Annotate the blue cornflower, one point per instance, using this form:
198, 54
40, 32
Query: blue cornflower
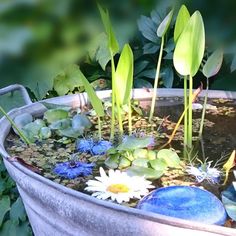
73, 169
93, 147
84, 145
101, 147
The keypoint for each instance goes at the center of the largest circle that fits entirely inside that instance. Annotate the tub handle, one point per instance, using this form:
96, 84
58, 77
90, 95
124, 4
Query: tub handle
14, 87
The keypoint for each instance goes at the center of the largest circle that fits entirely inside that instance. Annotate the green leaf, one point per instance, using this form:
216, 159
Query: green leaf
163, 27
67, 81
181, 21
112, 161
190, 46
94, 99
170, 157
112, 42
150, 48
140, 162
158, 164
233, 64
17, 211
148, 29
230, 163
55, 114
11, 229
213, 64
167, 76
132, 143
61, 124
148, 173
124, 75
4, 207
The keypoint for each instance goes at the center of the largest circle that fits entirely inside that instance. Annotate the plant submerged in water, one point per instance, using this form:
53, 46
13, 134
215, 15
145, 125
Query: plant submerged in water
118, 186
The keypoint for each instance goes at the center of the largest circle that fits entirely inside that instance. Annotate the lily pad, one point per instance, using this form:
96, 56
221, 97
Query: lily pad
148, 173
61, 124
170, 157
70, 132
159, 164
140, 162
22, 120
132, 143
55, 114
80, 122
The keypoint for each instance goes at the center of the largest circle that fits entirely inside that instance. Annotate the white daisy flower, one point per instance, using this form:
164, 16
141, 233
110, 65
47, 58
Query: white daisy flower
118, 186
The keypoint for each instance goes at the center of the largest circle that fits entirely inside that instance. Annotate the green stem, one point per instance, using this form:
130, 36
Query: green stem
120, 118
186, 115
113, 96
204, 111
15, 127
156, 80
130, 118
185, 108
99, 128
190, 121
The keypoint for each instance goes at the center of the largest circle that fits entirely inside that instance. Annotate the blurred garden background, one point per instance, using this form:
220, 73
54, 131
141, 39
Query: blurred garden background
40, 39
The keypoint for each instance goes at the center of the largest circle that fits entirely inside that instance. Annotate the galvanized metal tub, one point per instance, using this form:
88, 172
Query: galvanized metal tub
56, 210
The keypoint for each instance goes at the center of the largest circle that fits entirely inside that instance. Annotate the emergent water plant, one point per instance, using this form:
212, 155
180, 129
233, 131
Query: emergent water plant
188, 56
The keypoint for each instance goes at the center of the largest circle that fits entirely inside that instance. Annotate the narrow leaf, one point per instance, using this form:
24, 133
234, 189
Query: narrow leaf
95, 101
112, 42
181, 21
163, 27
190, 46
213, 64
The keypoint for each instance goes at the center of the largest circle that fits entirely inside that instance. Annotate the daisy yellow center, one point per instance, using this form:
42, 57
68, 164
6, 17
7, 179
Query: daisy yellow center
118, 188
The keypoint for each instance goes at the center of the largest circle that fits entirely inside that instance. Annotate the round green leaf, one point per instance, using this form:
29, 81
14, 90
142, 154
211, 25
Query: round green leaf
190, 46
170, 157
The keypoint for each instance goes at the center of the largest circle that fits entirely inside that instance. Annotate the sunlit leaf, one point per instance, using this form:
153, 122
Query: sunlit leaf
124, 75
67, 81
163, 27
230, 163
53, 115
170, 157
213, 64
190, 46
132, 143
112, 42
181, 21
93, 98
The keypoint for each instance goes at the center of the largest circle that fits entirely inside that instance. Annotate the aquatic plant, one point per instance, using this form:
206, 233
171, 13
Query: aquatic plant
161, 31
122, 75
188, 55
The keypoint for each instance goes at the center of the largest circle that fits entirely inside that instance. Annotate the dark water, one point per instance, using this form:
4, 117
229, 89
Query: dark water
219, 133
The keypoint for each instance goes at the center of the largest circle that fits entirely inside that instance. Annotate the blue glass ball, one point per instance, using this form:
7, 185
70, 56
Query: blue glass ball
189, 203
